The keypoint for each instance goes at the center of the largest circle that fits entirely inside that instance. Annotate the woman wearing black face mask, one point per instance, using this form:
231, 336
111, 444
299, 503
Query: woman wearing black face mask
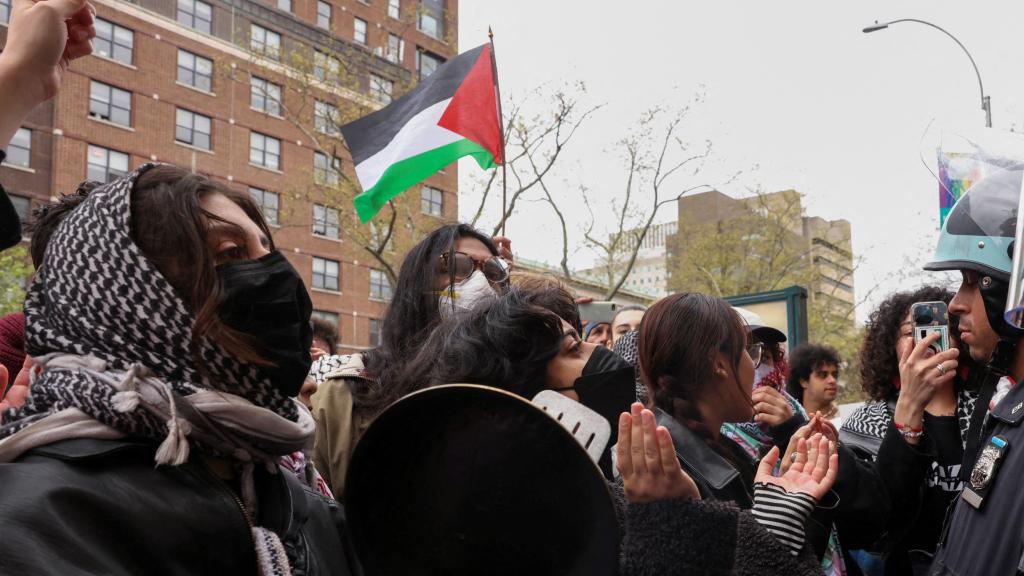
523, 348
169, 338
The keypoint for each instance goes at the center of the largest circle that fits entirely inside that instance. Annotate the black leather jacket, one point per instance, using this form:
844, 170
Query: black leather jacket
101, 507
715, 477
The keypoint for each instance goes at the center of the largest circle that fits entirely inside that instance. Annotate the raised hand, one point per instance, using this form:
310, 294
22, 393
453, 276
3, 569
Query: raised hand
770, 406
646, 460
43, 38
921, 375
812, 472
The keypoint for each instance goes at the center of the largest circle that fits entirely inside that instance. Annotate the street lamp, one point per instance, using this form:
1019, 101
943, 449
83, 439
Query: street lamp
986, 103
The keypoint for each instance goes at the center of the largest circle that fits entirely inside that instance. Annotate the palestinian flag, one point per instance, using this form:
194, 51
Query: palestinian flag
452, 113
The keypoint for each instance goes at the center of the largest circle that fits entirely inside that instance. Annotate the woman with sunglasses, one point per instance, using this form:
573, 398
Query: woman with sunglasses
451, 269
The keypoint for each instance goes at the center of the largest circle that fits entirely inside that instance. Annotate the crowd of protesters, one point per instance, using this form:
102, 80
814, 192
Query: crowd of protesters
170, 407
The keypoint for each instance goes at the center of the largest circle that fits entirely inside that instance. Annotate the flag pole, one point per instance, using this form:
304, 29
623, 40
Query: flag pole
501, 123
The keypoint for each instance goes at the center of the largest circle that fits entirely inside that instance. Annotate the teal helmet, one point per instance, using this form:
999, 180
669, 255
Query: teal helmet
979, 234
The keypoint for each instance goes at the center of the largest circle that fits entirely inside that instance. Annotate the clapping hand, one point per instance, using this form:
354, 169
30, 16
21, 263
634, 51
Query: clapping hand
812, 472
646, 460
818, 424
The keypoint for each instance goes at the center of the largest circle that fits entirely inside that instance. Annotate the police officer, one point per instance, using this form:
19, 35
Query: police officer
984, 532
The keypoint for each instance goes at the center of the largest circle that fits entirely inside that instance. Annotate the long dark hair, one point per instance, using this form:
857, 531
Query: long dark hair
412, 314
679, 341
505, 343
169, 225
879, 366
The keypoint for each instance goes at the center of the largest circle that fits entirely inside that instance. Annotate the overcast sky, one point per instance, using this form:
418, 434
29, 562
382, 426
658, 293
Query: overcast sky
793, 87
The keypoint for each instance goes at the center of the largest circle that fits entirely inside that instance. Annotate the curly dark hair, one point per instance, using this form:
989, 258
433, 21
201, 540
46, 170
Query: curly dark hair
802, 362
879, 366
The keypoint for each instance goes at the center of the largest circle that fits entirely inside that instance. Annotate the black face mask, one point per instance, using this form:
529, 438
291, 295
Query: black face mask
607, 386
266, 300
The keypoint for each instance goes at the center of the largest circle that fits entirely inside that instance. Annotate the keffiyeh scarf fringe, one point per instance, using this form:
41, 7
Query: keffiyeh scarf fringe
95, 402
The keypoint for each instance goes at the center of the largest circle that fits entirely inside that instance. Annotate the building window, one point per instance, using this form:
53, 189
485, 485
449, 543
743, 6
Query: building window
195, 71
324, 172
110, 104
359, 33
374, 332
432, 201
269, 203
325, 221
192, 129
19, 151
265, 42
325, 67
396, 48
22, 206
265, 151
395, 8
380, 285
426, 63
431, 18
106, 165
325, 274
323, 14
113, 41
380, 89
325, 117
5, 11
195, 14
265, 96
285, 5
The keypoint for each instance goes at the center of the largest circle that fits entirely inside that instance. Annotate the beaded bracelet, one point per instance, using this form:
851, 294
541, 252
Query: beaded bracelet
908, 432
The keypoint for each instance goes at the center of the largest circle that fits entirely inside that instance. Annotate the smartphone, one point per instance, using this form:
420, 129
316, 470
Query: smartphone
929, 318
598, 312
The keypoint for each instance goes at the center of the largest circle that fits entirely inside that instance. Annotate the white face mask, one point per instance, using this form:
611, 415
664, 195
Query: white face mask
465, 295
762, 371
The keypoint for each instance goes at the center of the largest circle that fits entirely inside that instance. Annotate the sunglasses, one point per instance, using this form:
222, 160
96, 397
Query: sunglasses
495, 269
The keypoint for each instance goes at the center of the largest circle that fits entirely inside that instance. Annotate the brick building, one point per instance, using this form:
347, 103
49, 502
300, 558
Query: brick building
218, 86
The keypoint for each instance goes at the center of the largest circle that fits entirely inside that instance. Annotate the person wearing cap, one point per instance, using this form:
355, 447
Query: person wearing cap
777, 415
984, 533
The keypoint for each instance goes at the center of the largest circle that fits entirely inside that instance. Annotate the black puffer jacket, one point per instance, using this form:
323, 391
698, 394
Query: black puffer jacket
101, 507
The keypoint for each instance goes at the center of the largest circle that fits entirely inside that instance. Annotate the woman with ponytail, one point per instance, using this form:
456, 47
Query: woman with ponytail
694, 362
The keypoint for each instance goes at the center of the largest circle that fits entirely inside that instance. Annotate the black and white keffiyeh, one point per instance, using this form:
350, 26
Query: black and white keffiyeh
97, 295
873, 418
114, 347
627, 347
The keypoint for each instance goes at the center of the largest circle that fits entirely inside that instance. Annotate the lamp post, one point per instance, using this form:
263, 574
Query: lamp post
986, 103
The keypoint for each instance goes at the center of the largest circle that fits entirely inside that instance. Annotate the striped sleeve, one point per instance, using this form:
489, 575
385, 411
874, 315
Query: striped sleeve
782, 513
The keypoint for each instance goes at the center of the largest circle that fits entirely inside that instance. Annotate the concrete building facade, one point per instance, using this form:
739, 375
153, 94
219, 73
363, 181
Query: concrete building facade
216, 86
826, 243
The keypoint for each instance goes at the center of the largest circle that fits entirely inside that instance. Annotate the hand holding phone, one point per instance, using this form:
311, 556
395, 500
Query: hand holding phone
931, 318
